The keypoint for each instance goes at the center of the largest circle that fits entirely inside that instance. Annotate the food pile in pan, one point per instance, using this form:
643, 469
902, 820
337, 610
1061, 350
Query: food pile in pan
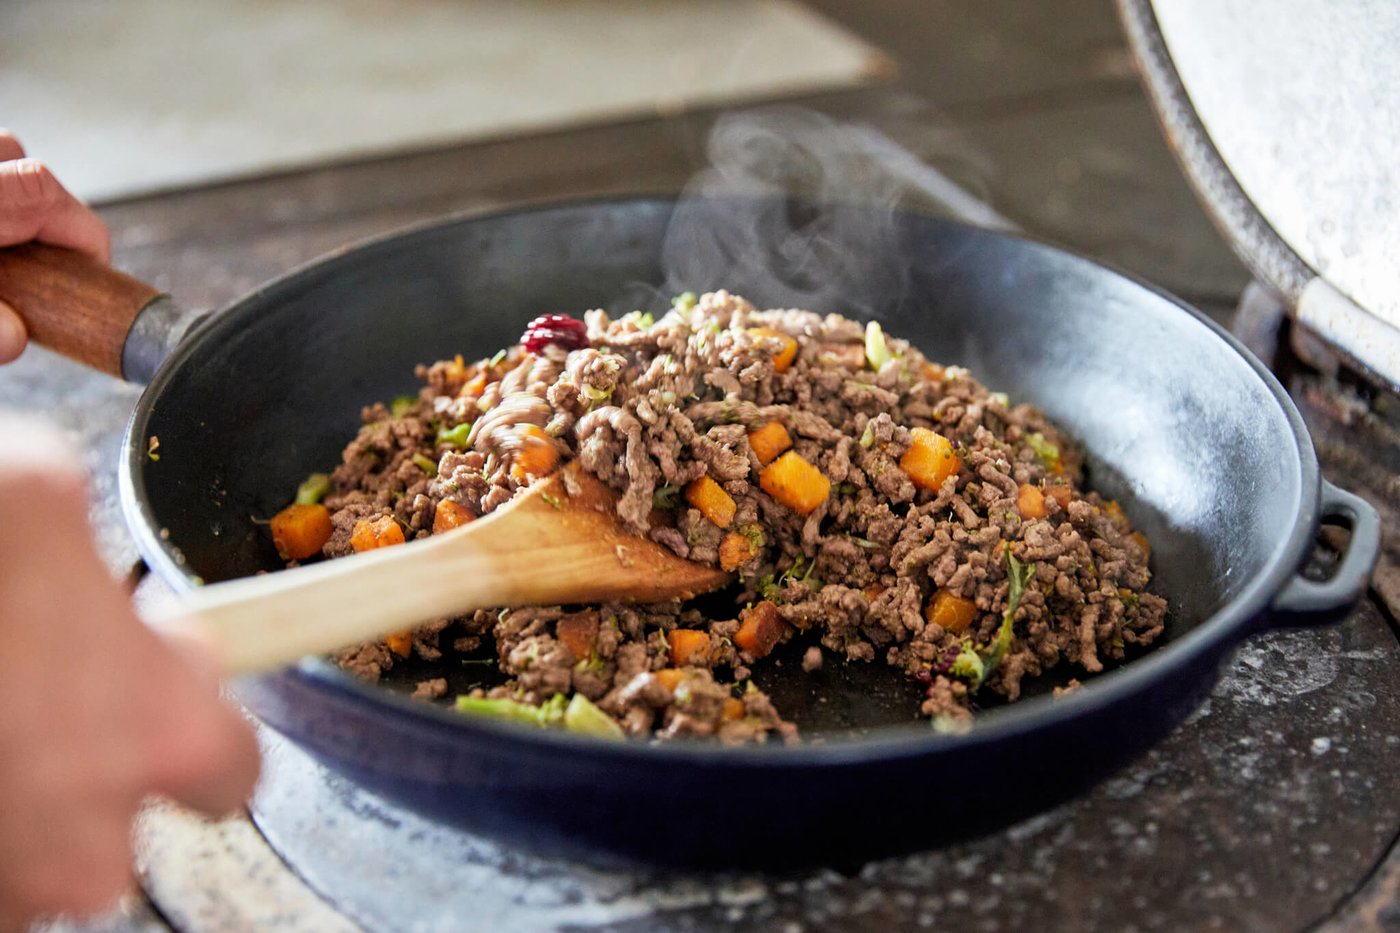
874, 507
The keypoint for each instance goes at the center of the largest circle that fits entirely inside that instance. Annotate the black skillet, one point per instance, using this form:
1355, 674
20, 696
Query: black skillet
1188, 431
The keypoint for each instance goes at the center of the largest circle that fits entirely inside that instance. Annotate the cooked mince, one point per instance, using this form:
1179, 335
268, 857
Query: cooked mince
878, 507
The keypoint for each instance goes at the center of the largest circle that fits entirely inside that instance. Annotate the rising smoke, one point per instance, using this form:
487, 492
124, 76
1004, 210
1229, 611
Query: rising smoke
800, 210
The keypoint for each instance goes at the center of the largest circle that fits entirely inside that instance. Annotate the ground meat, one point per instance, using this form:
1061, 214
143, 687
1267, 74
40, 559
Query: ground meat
972, 580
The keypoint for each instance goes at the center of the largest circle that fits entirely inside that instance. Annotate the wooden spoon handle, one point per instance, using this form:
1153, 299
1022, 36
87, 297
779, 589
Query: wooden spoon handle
72, 303
264, 622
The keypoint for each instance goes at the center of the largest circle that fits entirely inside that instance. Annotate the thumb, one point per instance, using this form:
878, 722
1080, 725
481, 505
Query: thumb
13, 334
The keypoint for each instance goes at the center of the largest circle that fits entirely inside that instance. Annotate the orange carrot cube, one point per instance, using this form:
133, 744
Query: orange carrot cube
760, 629
372, 533
1030, 502
300, 531
449, 515
795, 483
951, 613
712, 501
930, 459
787, 350
769, 441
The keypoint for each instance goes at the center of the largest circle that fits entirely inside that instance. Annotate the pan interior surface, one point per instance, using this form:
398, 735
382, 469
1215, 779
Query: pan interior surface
1176, 425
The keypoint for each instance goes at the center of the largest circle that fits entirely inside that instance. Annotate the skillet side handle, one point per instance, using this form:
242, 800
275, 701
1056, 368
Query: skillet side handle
1311, 602
72, 303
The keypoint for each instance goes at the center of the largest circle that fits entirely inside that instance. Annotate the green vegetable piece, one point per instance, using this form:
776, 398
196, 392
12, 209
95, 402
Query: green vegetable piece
313, 489
583, 717
456, 437
426, 464
753, 533
1002, 399
508, 710
684, 301
664, 497
867, 440
596, 394
1046, 452
496, 360
877, 351
552, 711
400, 406
969, 665
554, 501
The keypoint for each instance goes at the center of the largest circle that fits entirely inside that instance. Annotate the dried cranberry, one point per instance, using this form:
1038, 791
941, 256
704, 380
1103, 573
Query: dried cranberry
924, 677
558, 329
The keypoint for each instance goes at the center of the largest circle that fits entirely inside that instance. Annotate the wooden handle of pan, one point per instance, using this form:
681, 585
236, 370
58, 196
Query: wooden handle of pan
72, 303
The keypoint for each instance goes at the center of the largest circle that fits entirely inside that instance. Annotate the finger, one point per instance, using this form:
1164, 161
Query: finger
34, 205
9, 146
13, 334
209, 754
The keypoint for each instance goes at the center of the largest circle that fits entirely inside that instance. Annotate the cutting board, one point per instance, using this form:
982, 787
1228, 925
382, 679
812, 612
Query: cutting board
125, 97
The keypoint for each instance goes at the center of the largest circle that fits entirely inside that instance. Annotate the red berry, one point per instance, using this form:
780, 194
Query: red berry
558, 329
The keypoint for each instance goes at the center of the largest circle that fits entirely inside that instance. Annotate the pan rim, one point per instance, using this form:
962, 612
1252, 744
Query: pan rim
1229, 624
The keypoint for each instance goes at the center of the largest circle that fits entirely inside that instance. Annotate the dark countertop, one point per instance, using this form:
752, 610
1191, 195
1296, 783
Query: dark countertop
1274, 807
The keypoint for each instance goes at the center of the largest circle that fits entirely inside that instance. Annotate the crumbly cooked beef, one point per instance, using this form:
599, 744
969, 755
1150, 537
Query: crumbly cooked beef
650, 408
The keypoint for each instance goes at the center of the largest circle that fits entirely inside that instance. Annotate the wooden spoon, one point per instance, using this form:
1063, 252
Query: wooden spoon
559, 542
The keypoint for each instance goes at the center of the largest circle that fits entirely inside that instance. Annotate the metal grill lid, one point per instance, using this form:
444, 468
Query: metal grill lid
1286, 116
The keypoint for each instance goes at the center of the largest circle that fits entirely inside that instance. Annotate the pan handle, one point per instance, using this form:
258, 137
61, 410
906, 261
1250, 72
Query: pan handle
1313, 602
89, 311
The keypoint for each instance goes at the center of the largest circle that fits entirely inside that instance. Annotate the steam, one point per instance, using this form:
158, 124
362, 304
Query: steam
800, 210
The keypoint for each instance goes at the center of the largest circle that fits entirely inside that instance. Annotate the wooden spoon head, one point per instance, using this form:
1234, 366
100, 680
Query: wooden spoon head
586, 555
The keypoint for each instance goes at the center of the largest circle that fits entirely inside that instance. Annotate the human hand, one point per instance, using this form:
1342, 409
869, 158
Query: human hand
96, 711
35, 206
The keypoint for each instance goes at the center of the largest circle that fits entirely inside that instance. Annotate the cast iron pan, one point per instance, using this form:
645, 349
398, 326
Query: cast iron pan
1188, 431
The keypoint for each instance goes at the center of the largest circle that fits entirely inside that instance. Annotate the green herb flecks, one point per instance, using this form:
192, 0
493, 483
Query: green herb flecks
313, 489
989, 657
401, 405
554, 501
685, 301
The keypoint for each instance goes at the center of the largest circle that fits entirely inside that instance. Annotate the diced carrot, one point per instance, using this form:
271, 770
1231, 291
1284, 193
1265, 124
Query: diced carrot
1115, 512
951, 613
873, 591
670, 677
449, 515
736, 550
787, 351
933, 372
1141, 540
474, 386
1060, 492
769, 441
535, 454
795, 483
733, 708
760, 629
371, 533
401, 643
712, 501
1030, 501
578, 633
689, 647
930, 459
300, 531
